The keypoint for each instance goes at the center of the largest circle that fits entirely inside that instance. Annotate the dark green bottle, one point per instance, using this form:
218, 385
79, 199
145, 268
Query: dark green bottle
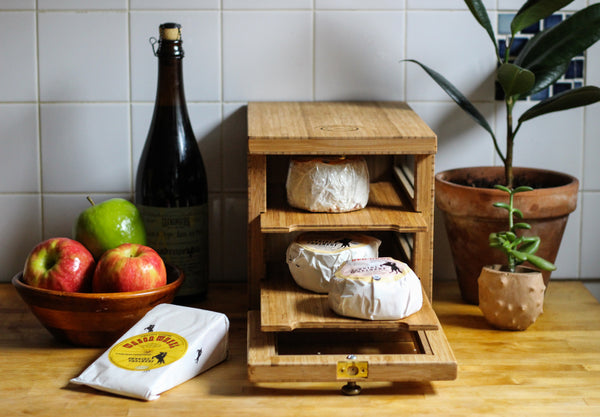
171, 189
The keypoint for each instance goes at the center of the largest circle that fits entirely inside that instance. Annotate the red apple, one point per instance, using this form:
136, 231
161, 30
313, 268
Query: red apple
60, 264
129, 267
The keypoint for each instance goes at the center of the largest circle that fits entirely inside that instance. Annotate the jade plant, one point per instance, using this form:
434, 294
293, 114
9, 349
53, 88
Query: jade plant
542, 61
517, 249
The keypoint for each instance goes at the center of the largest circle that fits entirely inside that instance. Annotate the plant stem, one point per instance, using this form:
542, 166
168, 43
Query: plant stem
511, 258
508, 161
511, 223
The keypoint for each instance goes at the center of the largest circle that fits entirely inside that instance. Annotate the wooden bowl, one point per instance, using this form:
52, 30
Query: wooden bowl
94, 319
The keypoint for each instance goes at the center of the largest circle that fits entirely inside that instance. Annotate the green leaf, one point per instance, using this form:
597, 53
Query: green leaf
563, 101
480, 14
522, 257
518, 213
530, 246
494, 241
526, 226
545, 77
533, 11
457, 96
557, 45
503, 188
522, 188
540, 263
502, 205
514, 79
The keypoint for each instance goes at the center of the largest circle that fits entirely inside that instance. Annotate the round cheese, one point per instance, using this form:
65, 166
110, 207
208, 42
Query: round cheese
314, 257
337, 184
375, 289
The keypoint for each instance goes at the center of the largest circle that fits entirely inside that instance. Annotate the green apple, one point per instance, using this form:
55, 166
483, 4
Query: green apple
109, 224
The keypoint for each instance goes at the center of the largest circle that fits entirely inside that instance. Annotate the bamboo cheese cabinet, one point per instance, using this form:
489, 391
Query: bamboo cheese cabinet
293, 336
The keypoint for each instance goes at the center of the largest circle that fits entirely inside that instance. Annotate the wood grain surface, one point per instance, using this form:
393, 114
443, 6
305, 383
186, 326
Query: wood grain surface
551, 369
359, 128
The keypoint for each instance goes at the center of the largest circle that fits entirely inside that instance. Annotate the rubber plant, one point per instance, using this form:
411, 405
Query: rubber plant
541, 62
517, 249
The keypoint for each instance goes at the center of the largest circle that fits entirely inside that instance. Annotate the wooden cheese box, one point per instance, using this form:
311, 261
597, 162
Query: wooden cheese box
292, 333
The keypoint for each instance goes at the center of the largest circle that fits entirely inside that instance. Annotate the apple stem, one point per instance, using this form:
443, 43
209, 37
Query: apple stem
90, 200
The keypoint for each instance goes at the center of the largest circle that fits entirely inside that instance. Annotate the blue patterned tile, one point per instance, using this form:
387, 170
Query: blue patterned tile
504, 20
532, 30
574, 75
559, 87
544, 94
552, 20
575, 69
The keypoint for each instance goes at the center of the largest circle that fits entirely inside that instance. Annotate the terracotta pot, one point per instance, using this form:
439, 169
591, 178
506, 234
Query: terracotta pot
470, 216
511, 300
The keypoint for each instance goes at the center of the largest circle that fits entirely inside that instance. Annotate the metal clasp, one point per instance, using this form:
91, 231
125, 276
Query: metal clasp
153, 42
352, 369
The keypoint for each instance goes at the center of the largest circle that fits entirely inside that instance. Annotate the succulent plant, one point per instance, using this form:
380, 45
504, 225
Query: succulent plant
517, 249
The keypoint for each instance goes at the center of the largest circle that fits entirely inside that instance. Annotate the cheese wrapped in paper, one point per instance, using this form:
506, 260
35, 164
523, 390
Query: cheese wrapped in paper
375, 289
168, 346
335, 184
314, 257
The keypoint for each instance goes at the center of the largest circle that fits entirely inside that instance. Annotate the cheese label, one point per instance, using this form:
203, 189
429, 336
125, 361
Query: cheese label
325, 244
378, 269
148, 351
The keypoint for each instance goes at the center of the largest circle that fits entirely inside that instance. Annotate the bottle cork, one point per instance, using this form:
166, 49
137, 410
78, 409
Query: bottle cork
170, 31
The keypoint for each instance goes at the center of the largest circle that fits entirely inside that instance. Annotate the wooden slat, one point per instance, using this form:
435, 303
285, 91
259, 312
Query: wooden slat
285, 307
386, 210
424, 203
257, 204
312, 128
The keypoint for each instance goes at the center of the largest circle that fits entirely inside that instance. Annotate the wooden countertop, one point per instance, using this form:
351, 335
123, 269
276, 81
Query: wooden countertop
553, 368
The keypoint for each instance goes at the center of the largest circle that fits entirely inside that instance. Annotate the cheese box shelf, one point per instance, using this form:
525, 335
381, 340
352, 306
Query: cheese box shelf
386, 210
292, 333
286, 307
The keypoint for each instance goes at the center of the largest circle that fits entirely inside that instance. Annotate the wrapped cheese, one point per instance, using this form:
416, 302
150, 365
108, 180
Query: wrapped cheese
375, 289
314, 257
336, 184
168, 346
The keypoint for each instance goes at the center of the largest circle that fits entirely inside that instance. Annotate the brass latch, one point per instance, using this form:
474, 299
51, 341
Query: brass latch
352, 369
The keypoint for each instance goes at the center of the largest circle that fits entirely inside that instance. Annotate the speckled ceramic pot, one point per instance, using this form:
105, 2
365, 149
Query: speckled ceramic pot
511, 300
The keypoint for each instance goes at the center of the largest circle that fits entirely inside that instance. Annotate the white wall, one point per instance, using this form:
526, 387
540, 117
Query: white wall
77, 84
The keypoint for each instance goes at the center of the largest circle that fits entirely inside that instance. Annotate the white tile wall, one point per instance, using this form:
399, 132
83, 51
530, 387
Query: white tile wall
281, 69
85, 147
19, 160
361, 64
77, 85
202, 70
17, 4
18, 65
360, 4
83, 68
464, 56
81, 4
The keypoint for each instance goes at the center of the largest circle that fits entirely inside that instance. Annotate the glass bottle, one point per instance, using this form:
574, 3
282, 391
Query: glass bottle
171, 188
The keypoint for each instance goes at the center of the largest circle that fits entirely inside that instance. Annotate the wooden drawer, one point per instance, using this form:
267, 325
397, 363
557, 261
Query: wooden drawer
317, 355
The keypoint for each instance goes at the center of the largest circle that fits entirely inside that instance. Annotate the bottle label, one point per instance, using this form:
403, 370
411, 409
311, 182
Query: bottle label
180, 236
